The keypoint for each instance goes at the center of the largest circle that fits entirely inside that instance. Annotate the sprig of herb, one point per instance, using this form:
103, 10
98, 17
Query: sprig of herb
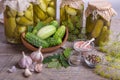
49, 58
112, 68
67, 52
58, 60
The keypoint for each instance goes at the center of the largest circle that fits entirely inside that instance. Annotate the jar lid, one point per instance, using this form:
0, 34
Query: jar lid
72, 3
99, 4
100, 7
18, 5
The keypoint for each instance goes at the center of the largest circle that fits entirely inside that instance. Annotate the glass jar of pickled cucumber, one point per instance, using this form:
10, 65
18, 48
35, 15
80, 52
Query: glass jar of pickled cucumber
18, 15
98, 19
71, 15
44, 10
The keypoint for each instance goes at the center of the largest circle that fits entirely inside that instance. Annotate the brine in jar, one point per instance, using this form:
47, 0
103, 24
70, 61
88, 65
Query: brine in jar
71, 15
17, 19
44, 10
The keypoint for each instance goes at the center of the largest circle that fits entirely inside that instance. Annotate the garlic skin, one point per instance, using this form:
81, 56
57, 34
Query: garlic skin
25, 61
38, 67
37, 56
13, 69
27, 73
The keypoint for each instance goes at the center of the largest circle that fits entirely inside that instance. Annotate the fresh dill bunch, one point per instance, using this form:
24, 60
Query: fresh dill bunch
112, 48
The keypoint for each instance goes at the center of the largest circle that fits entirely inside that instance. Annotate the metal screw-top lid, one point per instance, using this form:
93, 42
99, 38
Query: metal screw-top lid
100, 7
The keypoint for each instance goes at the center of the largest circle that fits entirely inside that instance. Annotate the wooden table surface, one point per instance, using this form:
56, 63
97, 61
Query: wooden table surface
10, 54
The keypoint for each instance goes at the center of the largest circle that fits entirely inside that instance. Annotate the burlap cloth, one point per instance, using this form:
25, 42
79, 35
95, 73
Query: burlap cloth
100, 7
18, 5
72, 3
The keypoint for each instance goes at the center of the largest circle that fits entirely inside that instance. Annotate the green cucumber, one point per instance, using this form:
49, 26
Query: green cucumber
38, 27
60, 32
46, 31
35, 40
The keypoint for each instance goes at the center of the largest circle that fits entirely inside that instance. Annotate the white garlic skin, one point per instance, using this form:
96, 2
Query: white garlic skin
13, 69
38, 67
37, 56
27, 73
25, 61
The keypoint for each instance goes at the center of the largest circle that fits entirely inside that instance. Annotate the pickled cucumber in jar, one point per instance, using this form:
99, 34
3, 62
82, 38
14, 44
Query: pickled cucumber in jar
97, 23
71, 15
97, 29
17, 19
44, 10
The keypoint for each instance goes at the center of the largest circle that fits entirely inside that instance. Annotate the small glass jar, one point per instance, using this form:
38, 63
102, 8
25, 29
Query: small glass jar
75, 59
17, 21
92, 58
98, 20
71, 15
44, 10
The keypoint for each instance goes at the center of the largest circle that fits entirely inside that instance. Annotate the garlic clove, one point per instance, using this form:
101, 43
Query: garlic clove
27, 73
37, 56
25, 61
38, 67
32, 67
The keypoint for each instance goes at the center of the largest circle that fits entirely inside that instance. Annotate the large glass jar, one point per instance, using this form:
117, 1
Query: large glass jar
44, 10
18, 15
98, 20
71, 15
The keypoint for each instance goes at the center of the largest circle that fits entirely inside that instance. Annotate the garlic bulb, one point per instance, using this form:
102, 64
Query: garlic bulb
27, 73
37, 55
25, 61
38, 67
